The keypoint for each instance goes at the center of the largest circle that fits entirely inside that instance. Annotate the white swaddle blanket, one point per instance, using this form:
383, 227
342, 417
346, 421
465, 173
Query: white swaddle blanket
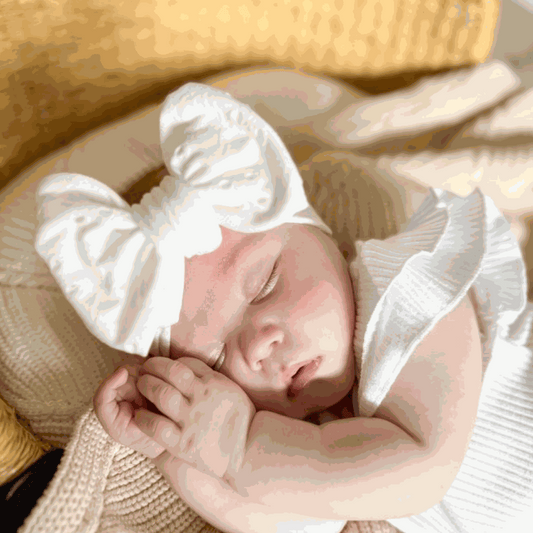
100, 486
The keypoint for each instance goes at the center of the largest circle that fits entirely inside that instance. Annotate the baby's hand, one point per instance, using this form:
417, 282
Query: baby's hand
115, 402
204, 417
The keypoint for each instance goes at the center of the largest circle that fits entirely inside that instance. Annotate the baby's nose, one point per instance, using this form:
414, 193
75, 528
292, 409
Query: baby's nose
262, 345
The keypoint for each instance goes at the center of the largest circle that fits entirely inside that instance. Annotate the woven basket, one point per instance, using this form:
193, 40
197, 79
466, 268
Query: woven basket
20, 447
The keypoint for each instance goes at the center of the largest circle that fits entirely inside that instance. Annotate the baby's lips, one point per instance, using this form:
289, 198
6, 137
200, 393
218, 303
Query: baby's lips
303, 377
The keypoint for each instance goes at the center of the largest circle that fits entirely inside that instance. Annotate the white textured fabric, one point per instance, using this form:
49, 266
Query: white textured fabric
123, 267
455, 246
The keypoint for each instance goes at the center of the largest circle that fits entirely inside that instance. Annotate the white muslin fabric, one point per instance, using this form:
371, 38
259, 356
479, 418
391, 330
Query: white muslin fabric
455, 247
409, 281
122, 267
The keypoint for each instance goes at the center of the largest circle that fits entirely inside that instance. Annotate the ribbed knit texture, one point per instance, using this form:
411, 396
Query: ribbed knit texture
475, 252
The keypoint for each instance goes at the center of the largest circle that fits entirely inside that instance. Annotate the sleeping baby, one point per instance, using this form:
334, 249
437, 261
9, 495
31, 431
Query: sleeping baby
229, 279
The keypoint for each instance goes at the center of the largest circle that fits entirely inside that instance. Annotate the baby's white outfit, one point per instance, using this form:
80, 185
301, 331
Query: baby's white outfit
452, 247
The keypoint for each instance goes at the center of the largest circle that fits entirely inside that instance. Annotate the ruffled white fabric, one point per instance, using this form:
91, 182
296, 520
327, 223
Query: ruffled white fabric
455, 246
123, 267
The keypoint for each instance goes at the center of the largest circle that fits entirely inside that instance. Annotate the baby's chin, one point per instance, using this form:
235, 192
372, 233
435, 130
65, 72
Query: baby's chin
311, 414
319, 395
309, 405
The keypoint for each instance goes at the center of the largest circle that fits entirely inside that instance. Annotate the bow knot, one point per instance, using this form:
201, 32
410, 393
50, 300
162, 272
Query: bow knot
178, 217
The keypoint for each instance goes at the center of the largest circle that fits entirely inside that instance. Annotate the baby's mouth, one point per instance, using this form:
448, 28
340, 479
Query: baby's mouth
303, 376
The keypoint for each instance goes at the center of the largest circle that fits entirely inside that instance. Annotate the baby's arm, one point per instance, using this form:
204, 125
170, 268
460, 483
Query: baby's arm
398, 463
195, 476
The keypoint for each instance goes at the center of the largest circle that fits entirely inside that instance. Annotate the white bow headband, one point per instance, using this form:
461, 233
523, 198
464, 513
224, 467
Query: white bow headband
123, 267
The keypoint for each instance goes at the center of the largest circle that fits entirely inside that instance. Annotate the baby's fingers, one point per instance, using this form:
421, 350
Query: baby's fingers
105, 400
128, 391
113, 398
167, 399
161, 430
178, 374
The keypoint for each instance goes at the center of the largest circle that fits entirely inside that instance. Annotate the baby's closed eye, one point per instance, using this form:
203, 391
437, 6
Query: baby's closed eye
269, 286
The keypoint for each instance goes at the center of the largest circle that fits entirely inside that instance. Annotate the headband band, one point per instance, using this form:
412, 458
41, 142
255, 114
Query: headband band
122, 267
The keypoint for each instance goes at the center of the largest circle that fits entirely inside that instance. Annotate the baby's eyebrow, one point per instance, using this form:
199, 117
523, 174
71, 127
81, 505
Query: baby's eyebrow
236, 253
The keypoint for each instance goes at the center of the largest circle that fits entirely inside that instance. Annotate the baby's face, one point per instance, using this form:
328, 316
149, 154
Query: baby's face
281, 305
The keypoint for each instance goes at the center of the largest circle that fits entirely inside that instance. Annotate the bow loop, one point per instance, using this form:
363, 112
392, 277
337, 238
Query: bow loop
212, 142
99, 255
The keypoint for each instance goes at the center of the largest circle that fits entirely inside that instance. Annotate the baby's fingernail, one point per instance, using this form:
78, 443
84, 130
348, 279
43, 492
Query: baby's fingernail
170, 437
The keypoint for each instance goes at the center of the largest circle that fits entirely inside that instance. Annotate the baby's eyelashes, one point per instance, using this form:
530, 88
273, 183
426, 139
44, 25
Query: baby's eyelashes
269, 285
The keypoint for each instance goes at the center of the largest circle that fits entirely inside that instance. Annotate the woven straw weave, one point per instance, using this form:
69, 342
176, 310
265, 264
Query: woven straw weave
68, 66
367, 37
20, 447
343, 37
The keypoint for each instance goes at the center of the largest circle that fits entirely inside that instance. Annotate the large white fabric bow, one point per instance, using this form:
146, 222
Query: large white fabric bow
122, 267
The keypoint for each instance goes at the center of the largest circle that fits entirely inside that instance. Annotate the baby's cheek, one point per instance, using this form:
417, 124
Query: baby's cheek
330, 337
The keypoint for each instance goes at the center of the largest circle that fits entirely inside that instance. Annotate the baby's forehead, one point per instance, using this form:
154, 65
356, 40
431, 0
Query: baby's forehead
238, 250
303, 237
304, 248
